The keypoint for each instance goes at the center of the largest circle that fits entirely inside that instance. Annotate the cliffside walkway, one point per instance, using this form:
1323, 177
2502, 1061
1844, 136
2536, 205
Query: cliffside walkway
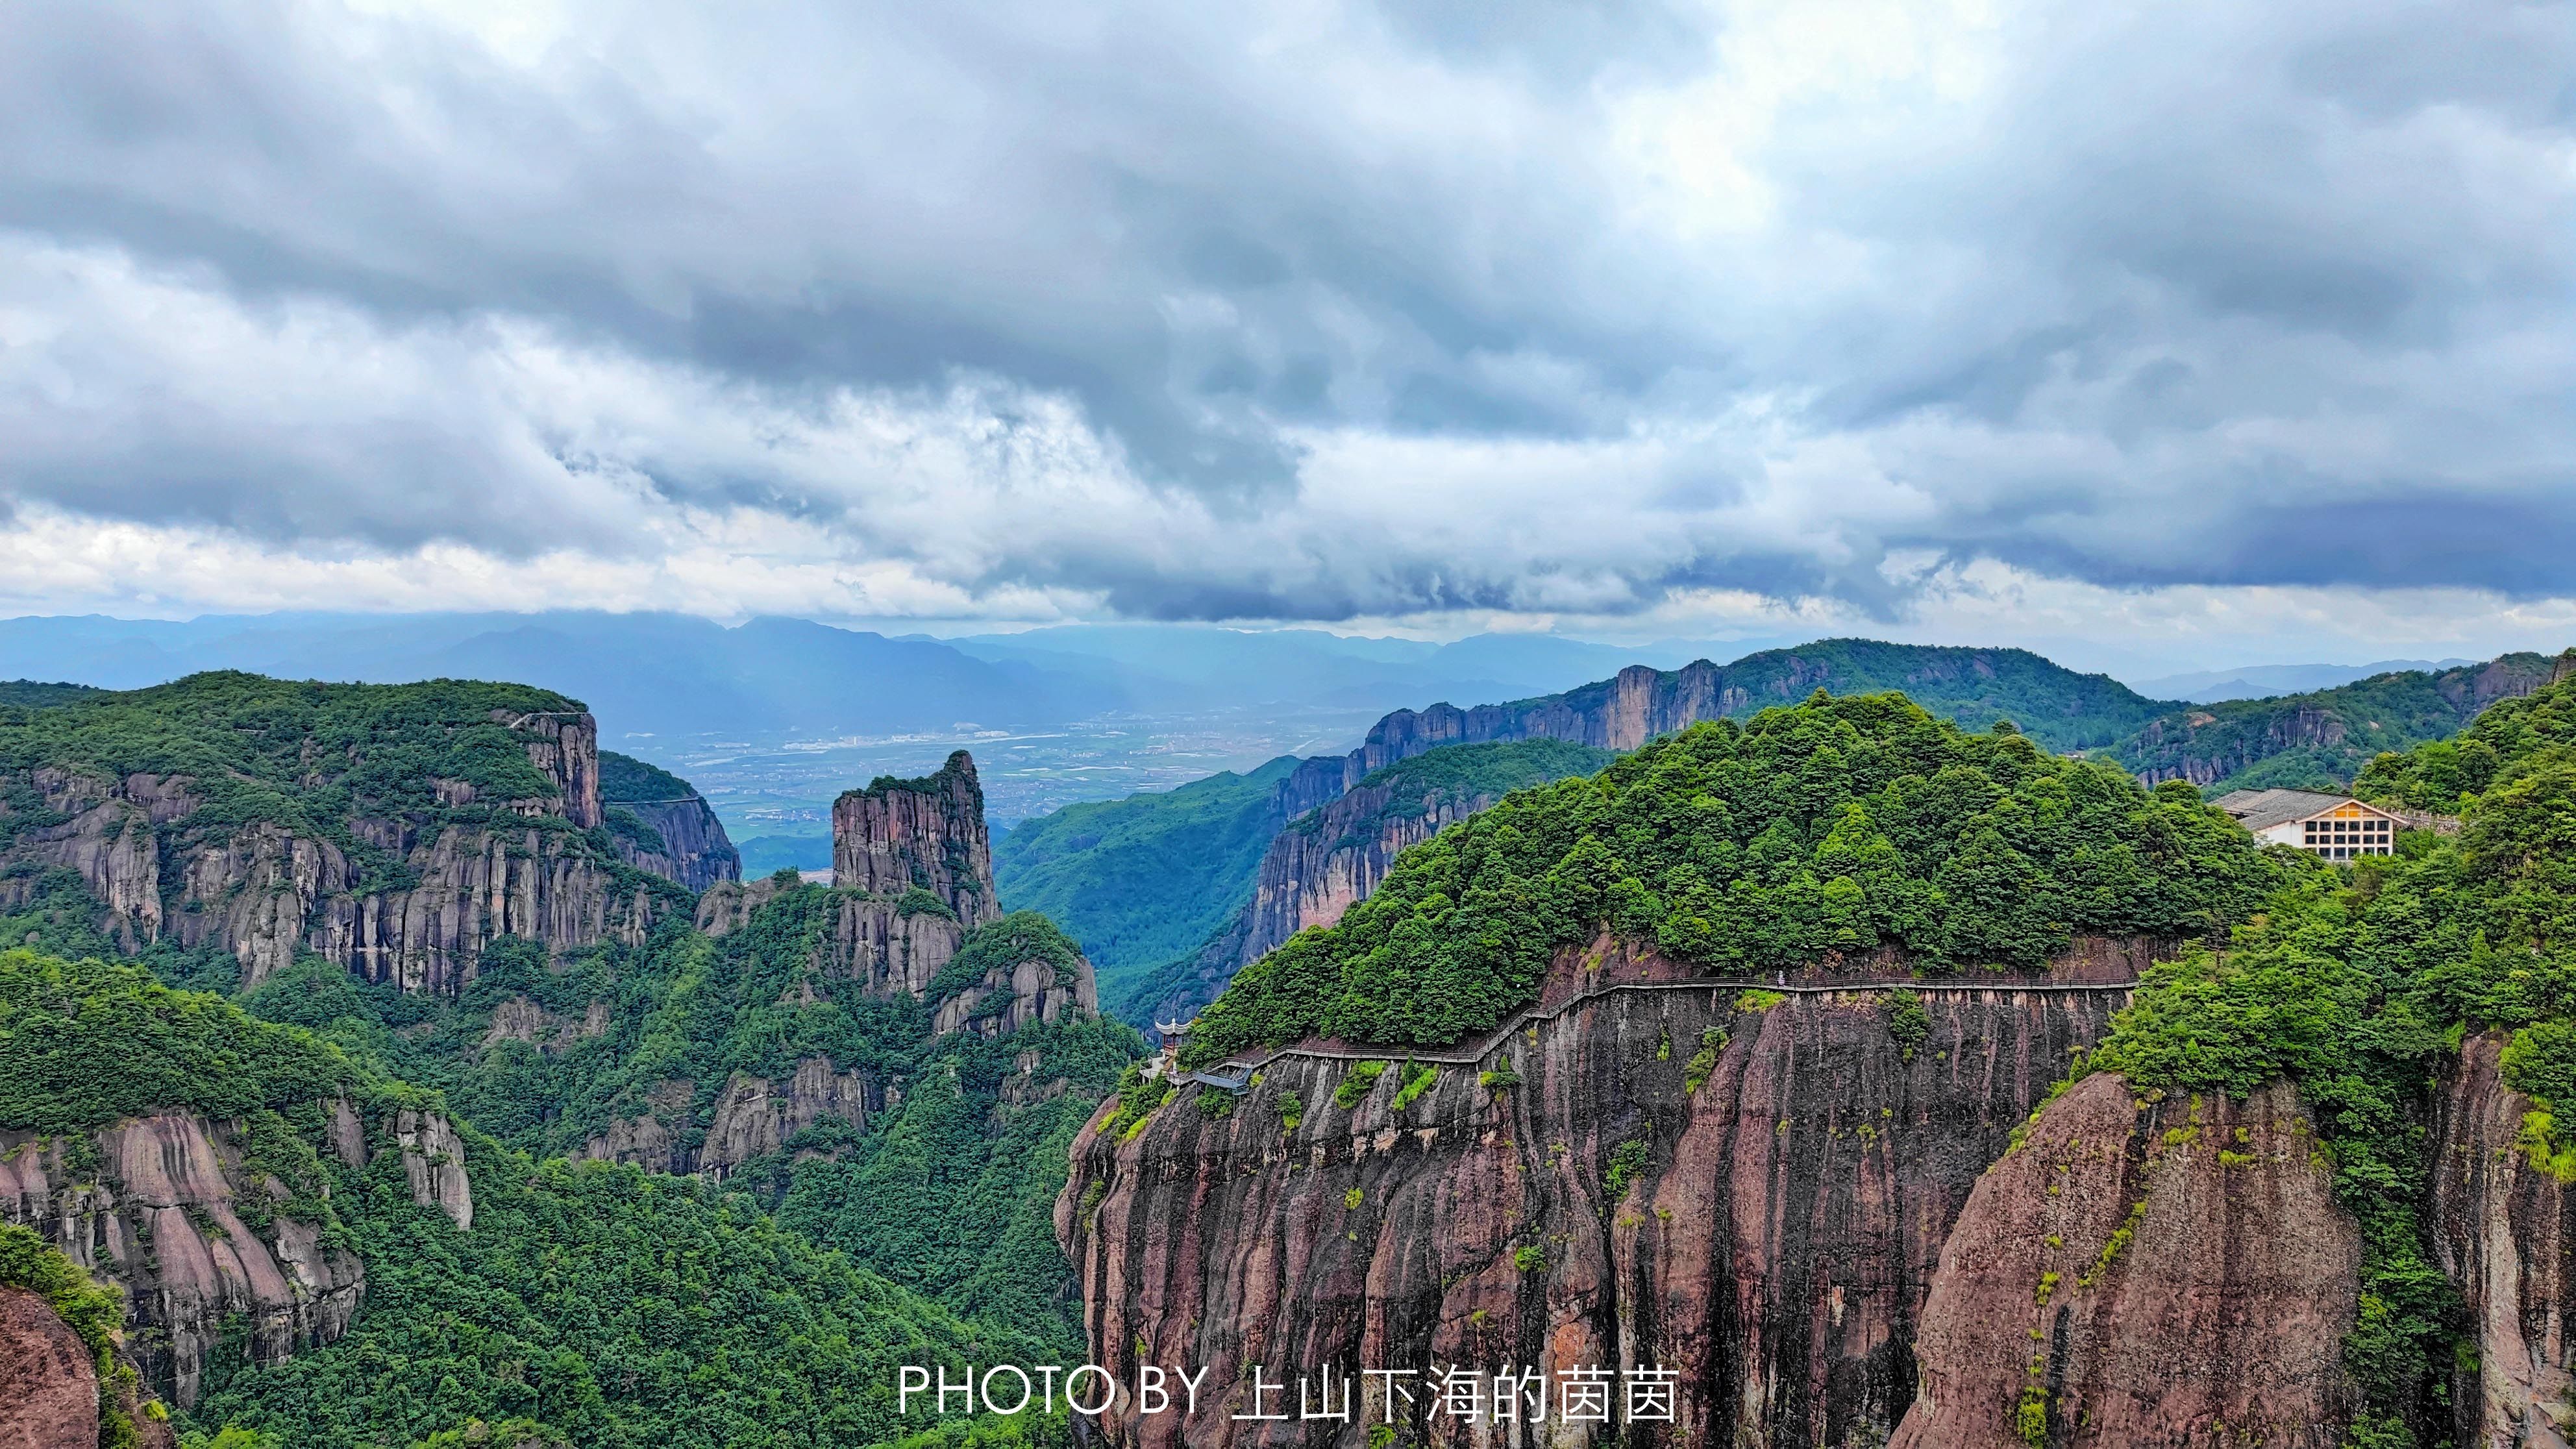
1234, 1074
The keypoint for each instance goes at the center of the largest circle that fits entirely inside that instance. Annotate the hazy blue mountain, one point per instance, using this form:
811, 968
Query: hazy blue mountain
2266, 681
1184, 667
646, 676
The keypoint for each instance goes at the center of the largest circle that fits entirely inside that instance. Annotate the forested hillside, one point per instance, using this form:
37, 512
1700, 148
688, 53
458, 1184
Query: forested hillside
1145, 882
2322, 739
608, 1305
702, 1179
1141, 880
1835, 825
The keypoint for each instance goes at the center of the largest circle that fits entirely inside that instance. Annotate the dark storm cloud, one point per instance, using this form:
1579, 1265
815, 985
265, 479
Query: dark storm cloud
2223, 295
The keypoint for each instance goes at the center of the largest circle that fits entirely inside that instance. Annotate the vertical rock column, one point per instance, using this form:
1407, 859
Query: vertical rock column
897, 834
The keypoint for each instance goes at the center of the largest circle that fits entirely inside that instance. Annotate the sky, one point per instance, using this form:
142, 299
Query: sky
2190, 333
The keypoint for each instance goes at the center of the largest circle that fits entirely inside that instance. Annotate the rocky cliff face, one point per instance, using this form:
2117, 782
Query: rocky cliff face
165, 1207
694, 849
894, 836
2505, 1231
752, 1116
898, 834
1617, 714
1679, 1177
48, 1382
1014, 994
262, 891
1323, 865
2101, 1274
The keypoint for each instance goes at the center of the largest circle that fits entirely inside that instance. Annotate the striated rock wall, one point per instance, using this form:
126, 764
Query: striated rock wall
157, 1205
891, 953
1317, 869
1771, 1234
751, 1116
565, 749
897, 834
696, 852
1620, 713
433, 1158
2503, 1229
1020, 993
264, 892
2145, 1273
160, 1217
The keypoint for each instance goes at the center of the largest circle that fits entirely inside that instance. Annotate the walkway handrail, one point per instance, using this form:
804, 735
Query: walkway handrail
1455, 1056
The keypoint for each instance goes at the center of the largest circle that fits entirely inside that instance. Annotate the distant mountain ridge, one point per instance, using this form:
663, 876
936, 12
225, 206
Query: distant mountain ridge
2324, 738
2057, 706
655, 675
2264, 681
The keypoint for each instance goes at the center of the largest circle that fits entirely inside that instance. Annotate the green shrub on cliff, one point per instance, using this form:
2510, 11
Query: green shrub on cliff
1837, 825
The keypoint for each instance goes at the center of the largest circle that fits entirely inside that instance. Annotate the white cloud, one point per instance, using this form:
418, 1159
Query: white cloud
1973, 316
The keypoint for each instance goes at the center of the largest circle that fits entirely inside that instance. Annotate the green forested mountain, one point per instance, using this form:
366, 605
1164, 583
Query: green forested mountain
1141, 880
307, 753
2322, 739
2056, 706
889, 1145
612, 1306
2355, 980
700, 1014
1839, 824
1144, 882
2513, 738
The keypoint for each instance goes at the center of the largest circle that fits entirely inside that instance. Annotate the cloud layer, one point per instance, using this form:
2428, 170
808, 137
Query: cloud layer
1287, 311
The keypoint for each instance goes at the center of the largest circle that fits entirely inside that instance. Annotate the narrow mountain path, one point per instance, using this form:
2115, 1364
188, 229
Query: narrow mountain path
1235, 1073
